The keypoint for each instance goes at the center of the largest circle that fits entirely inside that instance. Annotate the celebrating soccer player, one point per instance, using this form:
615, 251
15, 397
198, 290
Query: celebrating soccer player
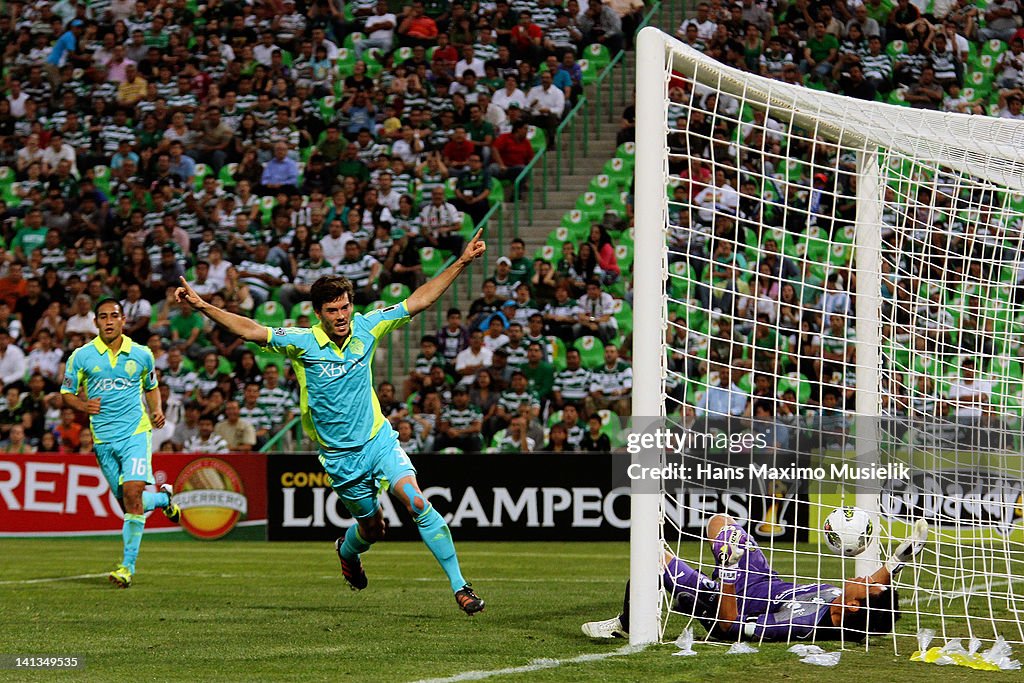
358, 448
116, 374
746, 599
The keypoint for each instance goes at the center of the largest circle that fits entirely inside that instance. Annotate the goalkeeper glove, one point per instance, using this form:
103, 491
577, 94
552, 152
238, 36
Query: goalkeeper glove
908, 549
729, 546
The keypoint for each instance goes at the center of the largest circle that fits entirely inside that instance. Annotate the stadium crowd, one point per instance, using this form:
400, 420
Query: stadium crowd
765, 254
252, 147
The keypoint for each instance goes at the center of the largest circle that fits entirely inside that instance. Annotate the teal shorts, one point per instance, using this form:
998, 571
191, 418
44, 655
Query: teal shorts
360, 475
129, 459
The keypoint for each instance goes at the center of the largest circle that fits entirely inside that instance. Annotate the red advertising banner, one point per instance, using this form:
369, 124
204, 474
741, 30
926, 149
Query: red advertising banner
65, 494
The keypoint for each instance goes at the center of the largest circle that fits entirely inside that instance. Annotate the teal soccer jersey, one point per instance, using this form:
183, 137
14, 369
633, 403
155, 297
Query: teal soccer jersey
120, 381
336, 398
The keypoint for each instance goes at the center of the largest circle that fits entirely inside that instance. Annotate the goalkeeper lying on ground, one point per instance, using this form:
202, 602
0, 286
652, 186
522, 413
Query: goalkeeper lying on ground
746, 600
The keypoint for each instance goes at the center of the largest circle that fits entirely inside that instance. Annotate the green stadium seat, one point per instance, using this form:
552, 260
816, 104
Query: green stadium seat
559, 236
557, 348
627, 152
402, 54
395, 293
602, 184
350, 42
538, 139
432, 260
266, 207
981, 81
578, 224
839, 254
598, 55
326, 106
588, 71
896, 48
547, 253
898, 97
610, 424
265, 358
202, 170
681, 279
993, 48
620, 171
497, 195
590, 203
227, 175
800, 385
301, 308
591, 351
225, 366
624, 257
373, 67
101, 176
271, 313
623, 314
468, 228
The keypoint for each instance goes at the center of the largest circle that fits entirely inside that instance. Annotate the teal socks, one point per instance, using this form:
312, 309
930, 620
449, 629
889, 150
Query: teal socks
438, 537
353, 546
131, 532
152, 501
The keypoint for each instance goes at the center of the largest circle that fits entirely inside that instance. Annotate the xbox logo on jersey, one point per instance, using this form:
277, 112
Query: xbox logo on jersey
211, 497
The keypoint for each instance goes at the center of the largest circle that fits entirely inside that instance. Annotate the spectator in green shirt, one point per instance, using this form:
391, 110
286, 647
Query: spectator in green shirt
820, 52
539, 373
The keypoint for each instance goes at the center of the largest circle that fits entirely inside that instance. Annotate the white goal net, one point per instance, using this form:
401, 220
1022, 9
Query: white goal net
844, 280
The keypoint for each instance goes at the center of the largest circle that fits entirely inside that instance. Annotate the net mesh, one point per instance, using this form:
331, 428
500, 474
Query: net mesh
764, 207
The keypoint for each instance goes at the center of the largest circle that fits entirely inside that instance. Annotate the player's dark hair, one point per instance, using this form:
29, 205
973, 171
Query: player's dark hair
108, 300
330, 288
877, 616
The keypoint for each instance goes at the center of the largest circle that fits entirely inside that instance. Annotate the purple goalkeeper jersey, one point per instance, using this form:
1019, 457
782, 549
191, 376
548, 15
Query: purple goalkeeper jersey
774, 609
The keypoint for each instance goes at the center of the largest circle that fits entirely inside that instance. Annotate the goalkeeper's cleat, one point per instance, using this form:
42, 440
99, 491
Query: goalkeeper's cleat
469, 602
609, 628
351, 570
729, 545
171, 510
908, 549
120, 577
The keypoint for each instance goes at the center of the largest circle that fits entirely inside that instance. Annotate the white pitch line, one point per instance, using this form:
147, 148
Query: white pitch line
535, 665
980, 589
52, 579
478, 579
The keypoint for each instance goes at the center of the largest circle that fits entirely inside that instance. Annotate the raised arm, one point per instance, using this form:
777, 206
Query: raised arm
245, 328
427, 295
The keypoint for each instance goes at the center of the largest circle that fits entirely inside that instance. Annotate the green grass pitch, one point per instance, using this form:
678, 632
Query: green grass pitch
244, 611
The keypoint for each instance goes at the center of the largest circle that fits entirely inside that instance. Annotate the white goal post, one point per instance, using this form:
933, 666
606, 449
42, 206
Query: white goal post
925, 211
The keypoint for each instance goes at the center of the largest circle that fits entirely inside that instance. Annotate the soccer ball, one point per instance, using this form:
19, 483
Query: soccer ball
848, 531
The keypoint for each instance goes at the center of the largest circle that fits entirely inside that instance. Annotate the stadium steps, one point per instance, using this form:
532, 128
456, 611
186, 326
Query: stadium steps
590, 159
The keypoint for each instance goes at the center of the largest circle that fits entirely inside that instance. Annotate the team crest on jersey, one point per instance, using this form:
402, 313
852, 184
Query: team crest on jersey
357, 346
282, 331
130, 367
